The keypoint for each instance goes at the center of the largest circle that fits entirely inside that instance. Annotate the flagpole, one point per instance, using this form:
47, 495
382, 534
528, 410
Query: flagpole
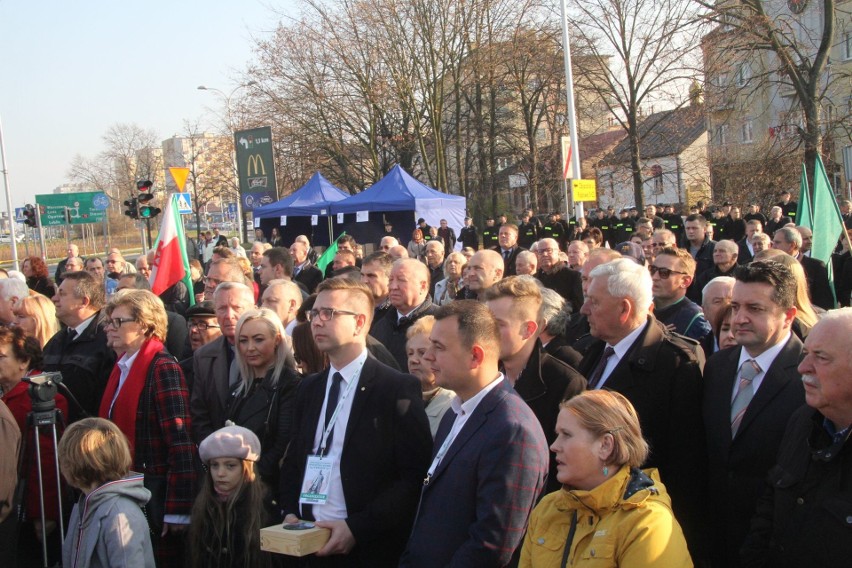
570, 114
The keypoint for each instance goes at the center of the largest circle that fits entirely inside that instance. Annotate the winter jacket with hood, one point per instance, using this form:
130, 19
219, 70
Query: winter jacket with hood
108, 529
626, 521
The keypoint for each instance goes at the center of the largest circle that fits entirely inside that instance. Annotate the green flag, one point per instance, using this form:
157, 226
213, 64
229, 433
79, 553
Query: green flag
328, 255
803, 213
828, 223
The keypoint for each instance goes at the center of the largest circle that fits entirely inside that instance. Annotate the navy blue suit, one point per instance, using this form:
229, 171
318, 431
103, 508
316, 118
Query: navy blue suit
475, 509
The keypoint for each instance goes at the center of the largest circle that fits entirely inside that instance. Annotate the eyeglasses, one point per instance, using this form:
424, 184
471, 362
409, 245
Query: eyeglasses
117, 322
664, 272
201, 326
327, 314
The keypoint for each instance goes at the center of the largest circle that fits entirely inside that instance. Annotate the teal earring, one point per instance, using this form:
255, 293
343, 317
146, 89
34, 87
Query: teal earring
605, 471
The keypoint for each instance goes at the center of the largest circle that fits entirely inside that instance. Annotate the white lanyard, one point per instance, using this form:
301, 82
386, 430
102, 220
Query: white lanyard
442, 451
352, 382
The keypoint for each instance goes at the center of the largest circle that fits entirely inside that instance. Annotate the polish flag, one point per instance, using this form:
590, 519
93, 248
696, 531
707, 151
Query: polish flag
171, 263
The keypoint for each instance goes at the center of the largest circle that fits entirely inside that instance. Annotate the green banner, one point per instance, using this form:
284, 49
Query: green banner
74, 208
256, 167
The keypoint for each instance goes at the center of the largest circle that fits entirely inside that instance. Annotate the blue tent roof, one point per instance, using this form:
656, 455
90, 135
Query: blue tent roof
313, 198
398, 191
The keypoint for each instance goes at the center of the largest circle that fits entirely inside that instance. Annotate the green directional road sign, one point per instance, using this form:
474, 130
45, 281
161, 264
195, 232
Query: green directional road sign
82, 207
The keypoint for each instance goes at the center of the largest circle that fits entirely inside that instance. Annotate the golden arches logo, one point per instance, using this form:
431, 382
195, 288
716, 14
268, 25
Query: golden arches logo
255, 164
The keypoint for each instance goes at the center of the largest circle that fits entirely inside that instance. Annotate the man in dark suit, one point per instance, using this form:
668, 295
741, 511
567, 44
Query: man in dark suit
408, 292
213, 365
789, 240
555, 275
659, 373
750, 391
490, 458
368, 421
508, 248
304, 272
541, 380
746, 251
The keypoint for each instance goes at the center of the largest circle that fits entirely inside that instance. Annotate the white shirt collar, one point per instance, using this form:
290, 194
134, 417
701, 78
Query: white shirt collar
468, 406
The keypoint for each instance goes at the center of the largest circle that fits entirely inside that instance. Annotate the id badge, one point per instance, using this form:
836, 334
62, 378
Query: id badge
315, 483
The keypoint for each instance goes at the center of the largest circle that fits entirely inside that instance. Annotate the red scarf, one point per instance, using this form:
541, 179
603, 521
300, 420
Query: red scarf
125, 407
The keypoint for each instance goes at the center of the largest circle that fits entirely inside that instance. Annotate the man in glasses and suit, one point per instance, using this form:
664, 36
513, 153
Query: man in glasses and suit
660, 374
360, 426
671, 272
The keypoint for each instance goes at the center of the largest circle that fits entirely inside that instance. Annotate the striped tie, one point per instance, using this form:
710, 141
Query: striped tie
745, 392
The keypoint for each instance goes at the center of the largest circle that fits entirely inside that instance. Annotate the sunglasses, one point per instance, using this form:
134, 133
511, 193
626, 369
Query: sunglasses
664, 272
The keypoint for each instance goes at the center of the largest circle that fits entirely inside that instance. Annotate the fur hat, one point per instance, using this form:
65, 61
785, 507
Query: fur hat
230, 442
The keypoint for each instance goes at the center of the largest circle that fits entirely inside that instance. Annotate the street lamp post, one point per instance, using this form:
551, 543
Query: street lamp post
12, 241
231, 127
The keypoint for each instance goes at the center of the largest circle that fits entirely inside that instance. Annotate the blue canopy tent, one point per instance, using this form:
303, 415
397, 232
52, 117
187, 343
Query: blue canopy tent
313, 198
400, 199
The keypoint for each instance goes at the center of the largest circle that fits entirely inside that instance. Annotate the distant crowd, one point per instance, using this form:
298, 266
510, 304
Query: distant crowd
621, 390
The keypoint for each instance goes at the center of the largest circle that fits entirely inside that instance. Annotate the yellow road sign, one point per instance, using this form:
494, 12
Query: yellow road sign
180, 175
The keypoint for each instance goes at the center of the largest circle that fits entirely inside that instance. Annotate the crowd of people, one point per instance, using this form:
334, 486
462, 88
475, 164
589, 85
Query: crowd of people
613, 391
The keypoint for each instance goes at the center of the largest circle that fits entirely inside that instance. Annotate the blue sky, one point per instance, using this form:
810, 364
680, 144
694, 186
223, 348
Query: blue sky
70, 70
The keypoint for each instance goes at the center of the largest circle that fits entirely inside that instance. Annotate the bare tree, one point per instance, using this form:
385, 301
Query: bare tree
643, 52
780, 53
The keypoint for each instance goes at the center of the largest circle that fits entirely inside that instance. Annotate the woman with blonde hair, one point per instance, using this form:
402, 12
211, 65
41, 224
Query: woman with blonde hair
446, 289
436, 399
608, 511
147, 398
36, 316
107, 526
806, 313
262, 400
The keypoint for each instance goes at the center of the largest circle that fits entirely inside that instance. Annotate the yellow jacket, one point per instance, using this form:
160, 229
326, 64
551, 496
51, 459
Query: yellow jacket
617, 525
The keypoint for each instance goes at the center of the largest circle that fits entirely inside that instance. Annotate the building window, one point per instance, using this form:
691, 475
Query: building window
657, 177
722, 80
748, 131
743, 74
721, 135
847, 45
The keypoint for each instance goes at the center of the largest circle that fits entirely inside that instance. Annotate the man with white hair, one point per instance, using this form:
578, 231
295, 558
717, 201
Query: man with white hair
725, 261
715, 295
398, 252
12, 291
805, 519
214, 368
659, 372
408, 292
435, 263
789, 240
526, 263
387, 242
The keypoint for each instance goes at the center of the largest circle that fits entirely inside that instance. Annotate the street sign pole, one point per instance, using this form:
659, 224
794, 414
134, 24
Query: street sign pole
40, 233
5, 172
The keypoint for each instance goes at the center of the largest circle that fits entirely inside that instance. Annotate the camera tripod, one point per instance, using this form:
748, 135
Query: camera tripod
44, 414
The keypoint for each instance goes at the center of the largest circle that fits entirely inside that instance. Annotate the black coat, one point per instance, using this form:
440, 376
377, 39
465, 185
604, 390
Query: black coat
661, 376
544, 383
567, 283
738, 467
267, 410
509, 264
804, 517
85, 364
310, 276
391, 333
386, 453
817, 276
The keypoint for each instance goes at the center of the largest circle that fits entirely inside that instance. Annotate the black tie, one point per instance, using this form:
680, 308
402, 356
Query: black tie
72, 333
597, 374
506, 254
331, 405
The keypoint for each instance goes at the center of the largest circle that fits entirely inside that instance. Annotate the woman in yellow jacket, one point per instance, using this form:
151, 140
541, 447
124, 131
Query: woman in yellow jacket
608, 512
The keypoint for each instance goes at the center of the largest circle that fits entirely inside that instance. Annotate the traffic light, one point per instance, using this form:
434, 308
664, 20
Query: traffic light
30, 216
132, 210
146, 211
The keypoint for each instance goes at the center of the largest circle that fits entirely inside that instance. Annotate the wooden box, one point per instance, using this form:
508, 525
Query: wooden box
293, 542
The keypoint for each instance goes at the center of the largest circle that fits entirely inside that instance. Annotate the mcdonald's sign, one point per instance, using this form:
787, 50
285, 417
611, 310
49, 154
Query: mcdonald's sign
255, 166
